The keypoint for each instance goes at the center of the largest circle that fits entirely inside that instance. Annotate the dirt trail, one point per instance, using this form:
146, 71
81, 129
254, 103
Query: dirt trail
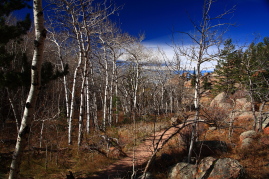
123, 167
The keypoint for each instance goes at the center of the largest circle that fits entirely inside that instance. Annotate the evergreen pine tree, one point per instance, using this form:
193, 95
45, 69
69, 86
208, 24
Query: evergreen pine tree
228, 69
9, 76
206, 84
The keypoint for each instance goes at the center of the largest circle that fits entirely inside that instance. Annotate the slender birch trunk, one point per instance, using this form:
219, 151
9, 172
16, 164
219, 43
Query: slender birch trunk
14, 110
94, 101
59, 52
105, 95
64, 82
115, 85
106, 86
197, 109
81, 108
171, 102
110, 113
116, 105
79, 39
95, 117
88, 104
127, 102
41, 133
40, 35
72, 101
134, 116
162, 98
66, 97
251, 94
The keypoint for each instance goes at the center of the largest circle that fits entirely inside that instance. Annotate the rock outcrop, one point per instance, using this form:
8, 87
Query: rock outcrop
247, 138
221, 101
242, 104
209, 167
183, 171
248, 134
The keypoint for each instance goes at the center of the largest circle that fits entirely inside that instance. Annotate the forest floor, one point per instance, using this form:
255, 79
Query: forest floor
123, 168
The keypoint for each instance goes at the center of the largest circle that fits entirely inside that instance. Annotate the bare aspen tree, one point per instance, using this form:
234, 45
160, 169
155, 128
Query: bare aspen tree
209, 33
136, 54
59, 42
115, 46
40, 35
113, 43
80, 19
106, 84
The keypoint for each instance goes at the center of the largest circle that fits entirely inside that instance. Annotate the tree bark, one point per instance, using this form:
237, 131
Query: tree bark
88, 104
72, 102
40, 35
82, 107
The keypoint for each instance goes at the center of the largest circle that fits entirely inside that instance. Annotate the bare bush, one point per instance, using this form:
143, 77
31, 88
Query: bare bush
215, 116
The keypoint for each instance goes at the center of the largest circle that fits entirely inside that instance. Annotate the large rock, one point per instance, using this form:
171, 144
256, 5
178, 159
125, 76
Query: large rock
227, 168
209, 167
247, 138
220, 101
248, 134
219, 98
247, 143
205, 167
183, 171
264, 140
242, 104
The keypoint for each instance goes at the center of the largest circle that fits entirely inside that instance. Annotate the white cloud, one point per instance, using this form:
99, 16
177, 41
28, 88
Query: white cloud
167, 55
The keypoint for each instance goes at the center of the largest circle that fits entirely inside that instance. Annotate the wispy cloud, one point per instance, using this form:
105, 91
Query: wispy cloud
166, 53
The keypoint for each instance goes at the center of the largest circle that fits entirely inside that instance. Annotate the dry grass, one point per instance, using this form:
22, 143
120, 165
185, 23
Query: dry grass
255, 159
83, 162
61, 157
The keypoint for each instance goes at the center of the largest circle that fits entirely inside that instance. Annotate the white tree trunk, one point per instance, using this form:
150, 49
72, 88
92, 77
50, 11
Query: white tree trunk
81, 108
95, 117
105, 95
94, 101
64, 83
116, 105
41, 133
72, 102
110, 114
88, 104
171, 102
106, 85
197, 110
59, 48
40, 35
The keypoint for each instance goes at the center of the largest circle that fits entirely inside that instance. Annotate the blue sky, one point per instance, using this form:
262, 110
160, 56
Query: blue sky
158, 18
